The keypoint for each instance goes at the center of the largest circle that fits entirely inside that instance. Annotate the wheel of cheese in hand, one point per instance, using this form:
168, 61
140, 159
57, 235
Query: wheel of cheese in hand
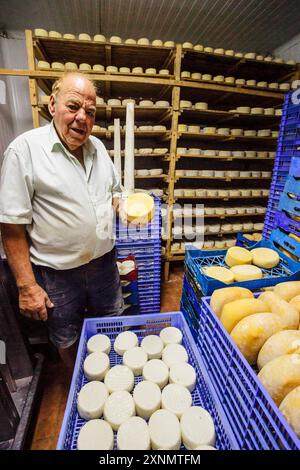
197, 428
124, 341
221, 297
265, 257
236, 310
176, 398
290, 408
118, 408
287, 290
96, 434
119, 378
171, 335
91, 400
133, 434
135, 359
220, 273
246, 272
164, 429
183, 374
288, 314
237, 255
96, 366
156, 371
252, 332
174, 353
153, 346
280, 344
281, 376
147, 398
99, 343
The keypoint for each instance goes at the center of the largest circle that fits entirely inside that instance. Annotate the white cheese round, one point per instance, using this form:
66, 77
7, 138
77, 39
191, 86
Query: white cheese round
153, 346
99, 343
133, 435
147, 398
197, 428
125, 341
156, 371
96, 434
96, 366
174, 353
183, 374
164, 429
118, 408
91, 399
135, 359
176, 398
119, 378
171, 335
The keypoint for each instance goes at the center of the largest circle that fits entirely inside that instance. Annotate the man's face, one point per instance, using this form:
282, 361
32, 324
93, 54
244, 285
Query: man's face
73, 111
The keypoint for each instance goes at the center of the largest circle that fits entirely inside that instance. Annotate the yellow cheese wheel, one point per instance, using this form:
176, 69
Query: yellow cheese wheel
235, 311
290, 408
287, 290
246, 272
221, 297
281, 376
220, 273
139, 208
283, 342
295, 302
237, 255
253, 331
265, 257
288, 314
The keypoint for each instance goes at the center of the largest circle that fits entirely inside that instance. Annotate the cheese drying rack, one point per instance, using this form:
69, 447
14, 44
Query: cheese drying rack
175, 89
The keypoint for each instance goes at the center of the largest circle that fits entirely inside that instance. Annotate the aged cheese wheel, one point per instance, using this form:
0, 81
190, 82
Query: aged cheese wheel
135, 359
281, 376
153, 346
84, 37
69, 36
164, 430
287, 290
119, 378
283, 342
236, 310
115, 40
183, 374
220, 273
237, 255
290, 408
176, 398
221, 297
99, 38
118, 408
157, 43
253, 331
147, 398
265, 257
91, 400
54, 34
96, 365
288, 314
174, 353
71, 66
139, 208
96, 434
133, 434
197, 428
246, 272
100, 343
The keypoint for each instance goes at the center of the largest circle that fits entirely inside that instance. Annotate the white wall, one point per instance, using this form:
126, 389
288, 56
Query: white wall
289, 50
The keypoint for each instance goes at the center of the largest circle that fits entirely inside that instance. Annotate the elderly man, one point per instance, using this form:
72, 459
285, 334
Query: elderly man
57, 192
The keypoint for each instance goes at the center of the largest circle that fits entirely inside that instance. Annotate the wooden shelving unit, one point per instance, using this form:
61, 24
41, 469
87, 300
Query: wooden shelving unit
222, 98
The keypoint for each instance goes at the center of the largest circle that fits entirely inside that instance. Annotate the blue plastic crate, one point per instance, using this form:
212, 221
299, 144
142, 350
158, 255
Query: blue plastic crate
204, 394
292, 186
288, 224
196, 260
287, 204
283, 240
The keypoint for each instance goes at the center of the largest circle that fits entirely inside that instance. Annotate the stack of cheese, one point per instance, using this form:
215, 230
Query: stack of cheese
244, 265
158, 414
265, 329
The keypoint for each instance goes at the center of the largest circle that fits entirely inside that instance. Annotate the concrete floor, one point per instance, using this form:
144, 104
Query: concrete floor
57, 378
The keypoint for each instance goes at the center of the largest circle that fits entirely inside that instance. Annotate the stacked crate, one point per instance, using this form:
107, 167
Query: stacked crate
144, 244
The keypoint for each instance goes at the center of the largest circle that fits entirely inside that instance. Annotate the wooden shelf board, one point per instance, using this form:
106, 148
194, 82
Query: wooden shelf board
241, 138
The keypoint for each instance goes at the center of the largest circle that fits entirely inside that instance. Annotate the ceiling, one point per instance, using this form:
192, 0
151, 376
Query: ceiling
245, 25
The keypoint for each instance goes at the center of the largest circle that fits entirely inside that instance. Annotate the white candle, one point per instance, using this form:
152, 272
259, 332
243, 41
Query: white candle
129, 150
117, 147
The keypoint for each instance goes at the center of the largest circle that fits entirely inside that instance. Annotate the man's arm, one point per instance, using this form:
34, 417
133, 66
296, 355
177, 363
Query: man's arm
33, 300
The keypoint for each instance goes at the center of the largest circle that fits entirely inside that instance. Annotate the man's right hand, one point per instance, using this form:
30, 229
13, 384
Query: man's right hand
34, 301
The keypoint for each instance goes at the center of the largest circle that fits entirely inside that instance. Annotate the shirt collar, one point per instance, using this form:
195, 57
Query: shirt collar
55, 142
